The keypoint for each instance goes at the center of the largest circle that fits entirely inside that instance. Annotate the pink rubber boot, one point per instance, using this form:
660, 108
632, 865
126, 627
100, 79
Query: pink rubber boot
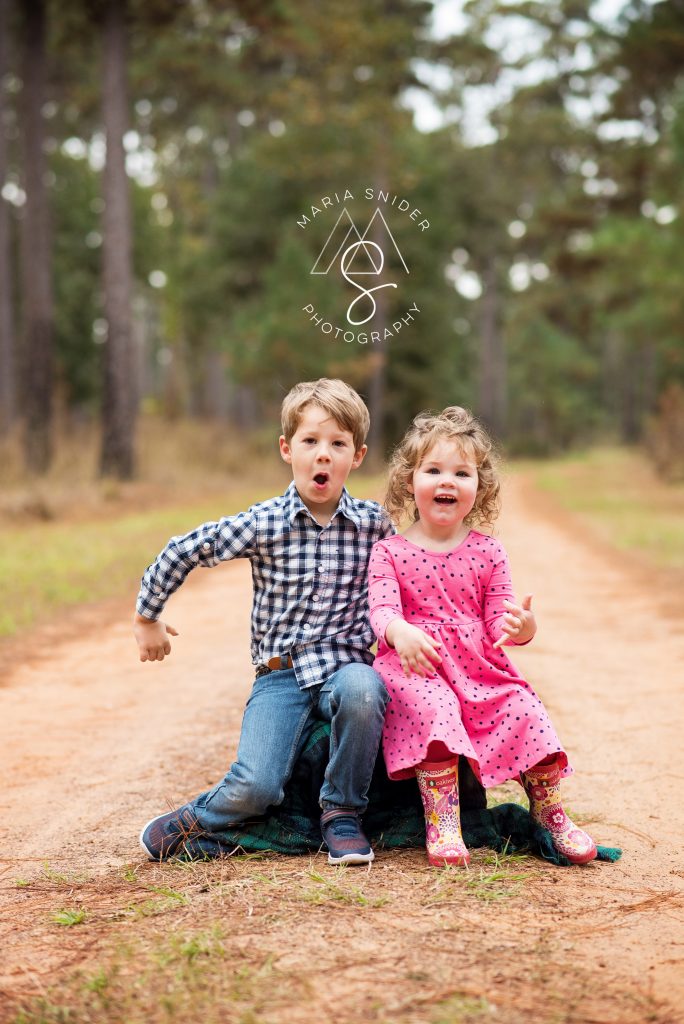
438, 784
542, 785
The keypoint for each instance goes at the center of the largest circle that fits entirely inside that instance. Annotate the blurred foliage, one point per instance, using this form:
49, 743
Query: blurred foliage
563, 205
76, 208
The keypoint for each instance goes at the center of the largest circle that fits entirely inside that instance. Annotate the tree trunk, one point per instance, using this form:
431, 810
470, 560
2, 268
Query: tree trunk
38, 308
216, 392
492, 367
612, 356
629, 396
120, 392
378, 383
8, 401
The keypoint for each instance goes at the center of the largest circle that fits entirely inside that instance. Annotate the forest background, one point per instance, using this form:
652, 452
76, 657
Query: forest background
157, 156
155, 160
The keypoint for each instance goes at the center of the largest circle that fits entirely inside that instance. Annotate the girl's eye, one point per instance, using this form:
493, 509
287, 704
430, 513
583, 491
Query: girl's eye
433, 470
463, 472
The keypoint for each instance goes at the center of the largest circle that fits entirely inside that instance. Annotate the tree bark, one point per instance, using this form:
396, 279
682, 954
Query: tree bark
38, 304
8, 398
120, 393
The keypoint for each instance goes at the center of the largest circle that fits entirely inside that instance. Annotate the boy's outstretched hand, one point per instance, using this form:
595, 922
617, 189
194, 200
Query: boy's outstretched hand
417, 650
153, 641
519, 623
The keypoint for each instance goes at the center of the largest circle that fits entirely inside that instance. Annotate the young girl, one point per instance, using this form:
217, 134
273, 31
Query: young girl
442, 605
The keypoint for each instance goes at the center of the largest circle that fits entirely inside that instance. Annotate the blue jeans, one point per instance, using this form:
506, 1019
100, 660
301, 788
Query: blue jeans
275, 727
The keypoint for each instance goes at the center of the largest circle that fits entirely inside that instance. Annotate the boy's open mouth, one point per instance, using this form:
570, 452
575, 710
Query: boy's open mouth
321, 479
445, 499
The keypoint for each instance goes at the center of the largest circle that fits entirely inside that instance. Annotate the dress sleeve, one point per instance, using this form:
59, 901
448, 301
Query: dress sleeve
384, 594
499, 589
209, 544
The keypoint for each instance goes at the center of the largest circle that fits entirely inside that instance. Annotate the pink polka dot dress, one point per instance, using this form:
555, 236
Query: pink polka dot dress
475, 703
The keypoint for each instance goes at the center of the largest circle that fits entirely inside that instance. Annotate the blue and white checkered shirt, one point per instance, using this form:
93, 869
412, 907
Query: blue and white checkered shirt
310, 582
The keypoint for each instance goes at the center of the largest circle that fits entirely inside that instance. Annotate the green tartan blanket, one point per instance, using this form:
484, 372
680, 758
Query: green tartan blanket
394, 817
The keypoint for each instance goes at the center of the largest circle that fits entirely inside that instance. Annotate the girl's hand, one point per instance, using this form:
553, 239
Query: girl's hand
518, 623
153, 642
416, 649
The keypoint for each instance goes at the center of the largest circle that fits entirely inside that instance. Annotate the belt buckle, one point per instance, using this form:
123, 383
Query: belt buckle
262, 670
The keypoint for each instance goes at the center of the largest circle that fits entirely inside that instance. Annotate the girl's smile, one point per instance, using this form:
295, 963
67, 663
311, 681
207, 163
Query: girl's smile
444, 486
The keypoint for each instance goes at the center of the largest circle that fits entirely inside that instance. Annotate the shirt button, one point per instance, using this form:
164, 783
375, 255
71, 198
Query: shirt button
157, 590
314, 597
321, 568
306, 626
206, 546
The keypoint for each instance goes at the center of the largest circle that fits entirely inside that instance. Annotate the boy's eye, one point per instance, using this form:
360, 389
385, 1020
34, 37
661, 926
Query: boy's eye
340, 444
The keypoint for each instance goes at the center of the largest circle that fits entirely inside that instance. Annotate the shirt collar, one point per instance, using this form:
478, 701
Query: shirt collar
294, 505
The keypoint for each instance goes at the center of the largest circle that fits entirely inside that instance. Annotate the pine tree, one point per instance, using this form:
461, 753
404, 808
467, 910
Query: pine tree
37, 297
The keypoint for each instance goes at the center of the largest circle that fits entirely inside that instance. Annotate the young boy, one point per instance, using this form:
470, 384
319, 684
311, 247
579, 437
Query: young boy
309, 550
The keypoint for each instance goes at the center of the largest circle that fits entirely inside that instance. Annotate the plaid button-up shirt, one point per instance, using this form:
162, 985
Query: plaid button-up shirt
310, 582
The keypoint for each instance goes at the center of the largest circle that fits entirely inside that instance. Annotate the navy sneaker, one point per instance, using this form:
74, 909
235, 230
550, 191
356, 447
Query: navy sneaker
165, 834
343, 835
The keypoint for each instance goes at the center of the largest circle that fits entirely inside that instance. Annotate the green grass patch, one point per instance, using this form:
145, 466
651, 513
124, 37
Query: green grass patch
463, 1009
47, 567
336, 888
67, 918
494, 885
188, 976
60, 878
490, 878
617, 495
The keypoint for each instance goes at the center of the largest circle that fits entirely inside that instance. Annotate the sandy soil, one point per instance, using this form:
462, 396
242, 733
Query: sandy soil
94, 743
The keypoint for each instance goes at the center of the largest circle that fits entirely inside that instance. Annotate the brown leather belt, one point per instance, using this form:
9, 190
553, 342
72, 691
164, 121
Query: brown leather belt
279, 664
274, 665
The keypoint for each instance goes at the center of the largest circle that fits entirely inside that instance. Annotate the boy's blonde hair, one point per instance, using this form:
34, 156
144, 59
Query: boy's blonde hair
337, 398
453, 424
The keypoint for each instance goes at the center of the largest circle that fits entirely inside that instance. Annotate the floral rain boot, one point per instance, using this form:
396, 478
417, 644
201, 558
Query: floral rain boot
438, 784
542, 785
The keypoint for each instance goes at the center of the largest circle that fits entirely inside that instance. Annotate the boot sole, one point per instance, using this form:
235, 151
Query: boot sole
352, 858
586, 859
440, 862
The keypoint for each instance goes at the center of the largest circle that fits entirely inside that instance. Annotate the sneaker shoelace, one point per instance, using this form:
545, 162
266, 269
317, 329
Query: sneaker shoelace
344, 827
185, 824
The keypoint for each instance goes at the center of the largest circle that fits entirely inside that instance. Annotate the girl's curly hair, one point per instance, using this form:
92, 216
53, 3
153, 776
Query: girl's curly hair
453, 424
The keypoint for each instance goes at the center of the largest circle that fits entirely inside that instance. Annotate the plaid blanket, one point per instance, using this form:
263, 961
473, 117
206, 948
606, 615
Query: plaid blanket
394, 817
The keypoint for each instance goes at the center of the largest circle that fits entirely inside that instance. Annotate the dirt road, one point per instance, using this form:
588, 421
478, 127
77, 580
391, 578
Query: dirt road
94, 743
